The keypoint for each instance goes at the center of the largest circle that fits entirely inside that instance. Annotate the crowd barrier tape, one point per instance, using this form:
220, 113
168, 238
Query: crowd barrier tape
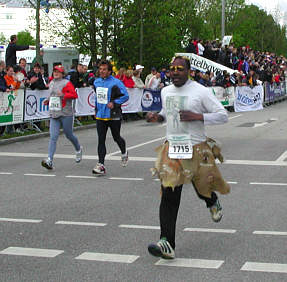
27, 105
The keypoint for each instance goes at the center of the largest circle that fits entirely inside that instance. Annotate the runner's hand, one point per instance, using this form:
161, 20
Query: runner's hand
190, 116
151, 117
110, 105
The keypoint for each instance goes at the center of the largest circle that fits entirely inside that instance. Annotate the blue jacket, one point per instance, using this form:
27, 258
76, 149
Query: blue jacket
108, 90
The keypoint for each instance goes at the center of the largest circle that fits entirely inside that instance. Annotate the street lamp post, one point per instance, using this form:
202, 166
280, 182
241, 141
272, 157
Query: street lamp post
222, 19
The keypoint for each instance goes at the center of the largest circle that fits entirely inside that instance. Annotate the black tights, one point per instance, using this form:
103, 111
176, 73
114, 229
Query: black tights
102, 128
168, 210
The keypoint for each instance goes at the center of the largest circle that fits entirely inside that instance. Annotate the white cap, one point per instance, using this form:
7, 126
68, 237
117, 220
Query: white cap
138, 67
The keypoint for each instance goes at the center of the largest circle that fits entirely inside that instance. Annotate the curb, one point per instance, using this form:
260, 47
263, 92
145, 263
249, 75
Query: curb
40, 135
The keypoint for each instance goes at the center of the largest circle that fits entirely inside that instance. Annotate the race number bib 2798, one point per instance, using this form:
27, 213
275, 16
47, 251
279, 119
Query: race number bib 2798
180, 147
55, 104
102, 95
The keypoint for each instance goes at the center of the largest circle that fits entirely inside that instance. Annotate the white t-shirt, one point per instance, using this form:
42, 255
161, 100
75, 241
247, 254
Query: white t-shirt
200, 49
154, 83
196, 98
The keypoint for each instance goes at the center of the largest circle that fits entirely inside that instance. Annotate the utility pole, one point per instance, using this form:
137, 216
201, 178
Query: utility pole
38, 30
141, 33
222, 19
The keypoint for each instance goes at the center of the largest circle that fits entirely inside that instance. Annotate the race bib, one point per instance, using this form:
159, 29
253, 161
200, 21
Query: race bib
102, 95
180, 147
55, 104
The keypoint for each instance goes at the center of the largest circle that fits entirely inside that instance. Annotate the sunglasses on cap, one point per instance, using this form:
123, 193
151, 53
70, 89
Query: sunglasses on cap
176, 68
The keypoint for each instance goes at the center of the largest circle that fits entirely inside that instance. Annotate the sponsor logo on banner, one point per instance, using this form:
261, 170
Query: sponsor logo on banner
31, 105
147, 99
203, 64
248, 99
11, 107
92, 99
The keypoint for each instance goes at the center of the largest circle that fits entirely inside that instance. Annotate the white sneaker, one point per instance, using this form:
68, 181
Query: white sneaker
48, 163
99, 169
79, 155
162, 249
125, 159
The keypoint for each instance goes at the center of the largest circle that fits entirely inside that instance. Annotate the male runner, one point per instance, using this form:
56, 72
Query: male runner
187, 156
110, 94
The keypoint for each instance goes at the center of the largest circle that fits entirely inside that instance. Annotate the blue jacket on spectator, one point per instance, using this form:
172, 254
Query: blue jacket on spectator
108, 90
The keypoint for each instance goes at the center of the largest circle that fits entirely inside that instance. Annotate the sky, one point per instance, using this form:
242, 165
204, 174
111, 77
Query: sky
270, 5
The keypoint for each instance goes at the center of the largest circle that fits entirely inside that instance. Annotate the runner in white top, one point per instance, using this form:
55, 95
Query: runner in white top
187, 107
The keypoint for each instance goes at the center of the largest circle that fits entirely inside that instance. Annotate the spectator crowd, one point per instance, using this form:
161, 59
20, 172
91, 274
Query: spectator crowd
250, 68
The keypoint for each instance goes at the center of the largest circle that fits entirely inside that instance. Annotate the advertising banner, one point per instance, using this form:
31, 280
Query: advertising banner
151, 100
11, 107
133, 105
274, 91
85, 104
34, 106
225, 96
248, 99
202, 64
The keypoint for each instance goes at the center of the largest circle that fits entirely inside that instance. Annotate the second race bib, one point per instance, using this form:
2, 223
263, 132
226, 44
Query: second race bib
102, 95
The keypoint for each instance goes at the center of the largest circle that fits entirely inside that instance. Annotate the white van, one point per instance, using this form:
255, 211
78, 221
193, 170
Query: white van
65, 56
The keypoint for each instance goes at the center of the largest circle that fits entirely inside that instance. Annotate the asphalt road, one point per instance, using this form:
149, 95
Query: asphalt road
67, 225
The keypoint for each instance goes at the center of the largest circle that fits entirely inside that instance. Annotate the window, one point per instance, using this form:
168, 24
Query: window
9, 17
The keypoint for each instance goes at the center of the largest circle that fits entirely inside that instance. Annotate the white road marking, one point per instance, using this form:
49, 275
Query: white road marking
265, 267
276, 233
139, 227
232, 182
137, 146
126, 178
20, 220
36, 174
282, 157
251, 162
31, 252
140, 159
269, 184
259, 124
6, 173
234, 117
209, 230
80, 223
197, 263
80, 176
107, 257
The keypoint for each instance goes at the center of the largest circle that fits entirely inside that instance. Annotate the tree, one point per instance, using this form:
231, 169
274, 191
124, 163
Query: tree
254, 27
25, 38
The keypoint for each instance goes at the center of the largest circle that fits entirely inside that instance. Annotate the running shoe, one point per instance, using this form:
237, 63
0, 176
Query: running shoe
125, 159
48, 163
216, 211
162, 249
99, 169
79, 155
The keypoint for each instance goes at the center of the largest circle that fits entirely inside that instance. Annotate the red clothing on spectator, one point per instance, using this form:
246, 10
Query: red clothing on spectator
129, 82
24, 72
120, 77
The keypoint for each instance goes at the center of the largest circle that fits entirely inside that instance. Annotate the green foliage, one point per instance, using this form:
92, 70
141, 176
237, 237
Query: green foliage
149, 32
25, 38
3, 39
254, 27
